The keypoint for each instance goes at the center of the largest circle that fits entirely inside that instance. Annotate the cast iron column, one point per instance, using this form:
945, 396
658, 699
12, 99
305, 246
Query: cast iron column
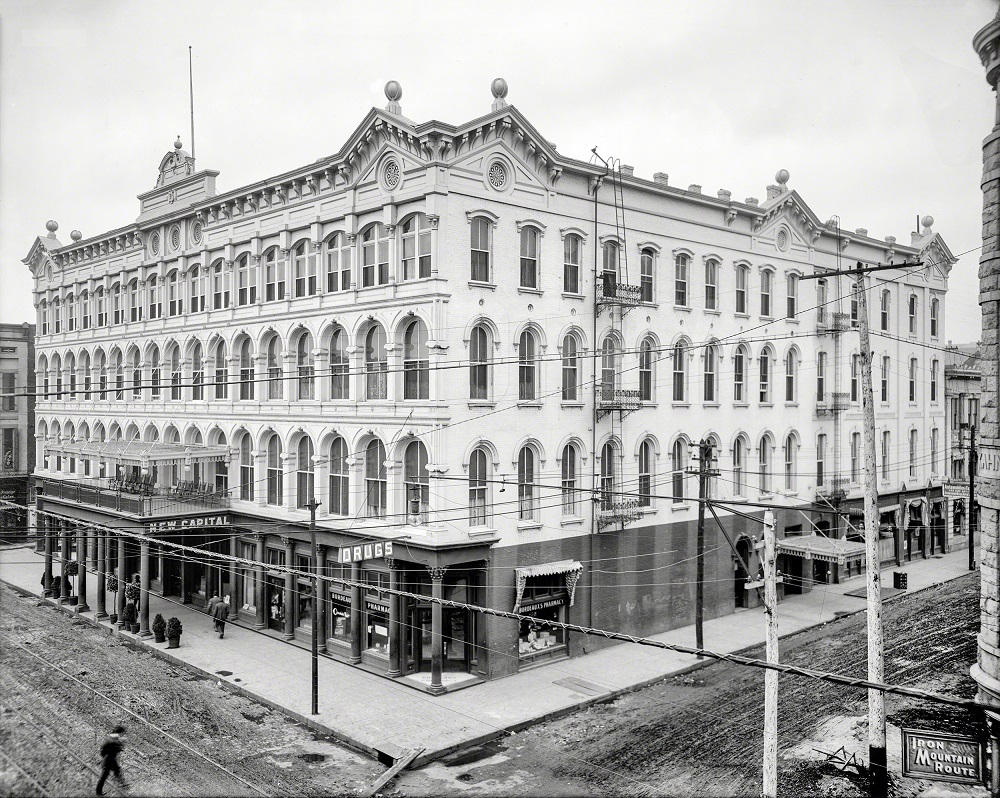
144, 590
63, 562
102, 558
289, 597
81, 577
122, 581
260, 595
356, 599
394, 626
437, 638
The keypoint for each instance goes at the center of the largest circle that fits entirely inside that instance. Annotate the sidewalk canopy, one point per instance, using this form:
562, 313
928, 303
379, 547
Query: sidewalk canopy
818, 547
144, 452
571, 568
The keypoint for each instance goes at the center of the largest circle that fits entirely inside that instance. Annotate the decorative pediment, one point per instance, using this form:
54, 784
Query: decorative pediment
788, 208
501, 168
937, 259
39, 256
175, 165
388, 165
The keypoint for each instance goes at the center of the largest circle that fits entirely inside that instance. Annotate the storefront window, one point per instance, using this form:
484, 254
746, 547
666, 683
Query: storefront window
304, 594
545, 599
248, 593
376, 612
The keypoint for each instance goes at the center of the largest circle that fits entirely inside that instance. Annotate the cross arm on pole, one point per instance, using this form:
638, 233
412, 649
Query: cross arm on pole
862, 269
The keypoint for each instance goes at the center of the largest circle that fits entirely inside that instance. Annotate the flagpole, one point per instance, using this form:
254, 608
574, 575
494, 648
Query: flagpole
191, 95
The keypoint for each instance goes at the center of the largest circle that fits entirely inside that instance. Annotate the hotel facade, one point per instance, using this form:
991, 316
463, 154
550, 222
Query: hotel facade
491, 365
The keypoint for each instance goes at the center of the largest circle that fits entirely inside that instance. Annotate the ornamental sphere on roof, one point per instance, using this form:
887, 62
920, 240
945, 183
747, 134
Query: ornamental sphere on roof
927, 221
393, 91
178, 144
52, 225
499, 88
76, 235
782, 176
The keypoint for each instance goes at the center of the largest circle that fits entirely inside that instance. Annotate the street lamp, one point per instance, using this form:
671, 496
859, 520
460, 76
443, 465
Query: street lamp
312, 505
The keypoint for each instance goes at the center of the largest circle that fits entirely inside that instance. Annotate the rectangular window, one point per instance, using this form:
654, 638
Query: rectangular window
934, 451
821, 377
792, 298
711, 285
571, 265
480, 249
913, 452
681, 281
765, 293
855, 457
8, 450
913, 314
820, 460
855, 378
885, 455
885, 379
338, 269
884, 312
739, 375
742, 276
913, 380
934, 383
8, 401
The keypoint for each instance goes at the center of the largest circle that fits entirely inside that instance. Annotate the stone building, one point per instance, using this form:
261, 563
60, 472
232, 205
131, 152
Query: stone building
17, 424
490, 364
963, 396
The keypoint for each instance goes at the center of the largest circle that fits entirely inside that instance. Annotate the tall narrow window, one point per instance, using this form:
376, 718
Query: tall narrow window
305, 364
529, 257
246, 370
913, 452
119, 378
375, 479
527, 388
885, 454
101, 307
117, 304
376, 364
647, 260
609, 456
304, 269
913, 379
197, 283
274, 276
884, 311
374, 256
678, 462
102, 368
88, 380
85, 311
645, 474
711, 373
855, 308
479, 363
136, 375
71, 374
340, 377
71, 313
934, 380
246, 468
789, 451
820, 460
134, 302
571, 264
764, 464
175, 300
305, 477
197, 373
821, 377
792, 296
275, 475
679, 374
935, 312
246, 278
221, 372
790, 376
934, 451
275, 378
855, 378
855, 457
153, 293
766, 285
339, 479
416, 365
681, 264
338, 264
711, 285
742, 283
822, 296
569, 502
739, 374
416, 480
739, 466
646, 379
570, 368
526, 484
609, 369
220, 287
478, 490
481, 249
611, 256
884, 381
912, 314
416, 241
764, 364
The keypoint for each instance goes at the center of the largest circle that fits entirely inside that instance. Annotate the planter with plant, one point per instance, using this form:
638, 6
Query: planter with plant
132, 600
70, 570
159, 629
174, 630
111, 586
130, 619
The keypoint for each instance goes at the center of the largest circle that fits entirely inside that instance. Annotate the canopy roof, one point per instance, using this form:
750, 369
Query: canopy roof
151, 452
549, 568
819, 547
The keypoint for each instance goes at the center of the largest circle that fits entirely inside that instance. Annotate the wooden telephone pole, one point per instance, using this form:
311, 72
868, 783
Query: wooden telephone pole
704, 472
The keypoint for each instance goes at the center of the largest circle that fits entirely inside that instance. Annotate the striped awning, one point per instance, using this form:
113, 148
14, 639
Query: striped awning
571, 568
820, 547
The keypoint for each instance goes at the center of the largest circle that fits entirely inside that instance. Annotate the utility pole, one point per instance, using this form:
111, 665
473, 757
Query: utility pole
315, 610
770, 676
878, 782
704, 471
972, 494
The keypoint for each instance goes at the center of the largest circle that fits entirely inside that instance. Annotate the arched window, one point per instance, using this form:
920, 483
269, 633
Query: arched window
766, 286
529, 257
609, 458
100, 306
275, 474
134, 301
527, 372
570, 368
375, 479
153, 294
71, 374
764, 464
912, 308
764, 364
175, 300
376, 365
934, 380
274, 276
197, 372
119, 377
913, 453
820, 460
526, 498
136, 371
711, 284
338, 263
246, 370
742, 289
647, 260
855, 457
739, 466
305, 365
102, 368
221, 468
57, 370
246, 468
43, 317
155, 372
85, 317
935, 312
71, 313
339, 478
711, 373
479, 509
304, 269
740, 358
791, 295
374, 256
340, 366
196, 278
886, 452
790, 375
85, 370
571, 264
855, 378
117, 304
611, 258
682, 265
884, 310
221, 371
56, 315
479, 363
679, 373
246, 279
481, 248
416, 241
789, 452
645, 473
609, 369
416, 363
305, 483
220, 287
275, 382
416, 480
647, 378
569, 477
913, 380
821, 377
678, 462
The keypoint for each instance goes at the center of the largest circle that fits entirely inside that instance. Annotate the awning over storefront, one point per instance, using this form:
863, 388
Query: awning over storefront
571, 568
819, 547
143, 452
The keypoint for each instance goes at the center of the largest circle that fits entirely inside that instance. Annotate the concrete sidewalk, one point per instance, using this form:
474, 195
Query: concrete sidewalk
379, 715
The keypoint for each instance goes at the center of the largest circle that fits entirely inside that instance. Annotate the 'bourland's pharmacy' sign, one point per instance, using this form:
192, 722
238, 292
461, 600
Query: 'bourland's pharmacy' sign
942, 757
190, 523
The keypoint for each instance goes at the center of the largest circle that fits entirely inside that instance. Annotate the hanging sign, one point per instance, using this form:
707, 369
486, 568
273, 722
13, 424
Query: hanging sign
955, 490
943, 757
366, 551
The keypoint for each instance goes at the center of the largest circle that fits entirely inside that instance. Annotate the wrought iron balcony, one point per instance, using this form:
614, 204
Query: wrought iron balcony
835, 403
611, 293
137, 497
827, 322
834, 487
611, 513
611, 400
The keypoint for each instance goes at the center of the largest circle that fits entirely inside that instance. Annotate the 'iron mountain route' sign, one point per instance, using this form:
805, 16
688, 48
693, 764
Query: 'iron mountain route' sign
942, 757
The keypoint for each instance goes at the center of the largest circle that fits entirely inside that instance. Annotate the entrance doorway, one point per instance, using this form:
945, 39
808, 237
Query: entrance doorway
742, 577
456, 641
275, 600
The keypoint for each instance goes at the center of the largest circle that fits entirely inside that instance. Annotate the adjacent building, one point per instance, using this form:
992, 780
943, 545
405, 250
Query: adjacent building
17, 425
490, 364
962, 390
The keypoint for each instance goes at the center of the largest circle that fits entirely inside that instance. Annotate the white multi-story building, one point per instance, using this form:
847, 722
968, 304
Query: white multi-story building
495, 358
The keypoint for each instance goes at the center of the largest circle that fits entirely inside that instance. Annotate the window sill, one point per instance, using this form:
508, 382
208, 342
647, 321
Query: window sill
648, 403
791, 404
712, 311
521, 289
684, 308
571, 521
479, 284
676, 507
711, 404
481, 403
528, 526
649, 510
767, 404
766, 318
680, 404
481, 531
793, 320
571, 404
569, 295
533, 404
740, 315
741, 404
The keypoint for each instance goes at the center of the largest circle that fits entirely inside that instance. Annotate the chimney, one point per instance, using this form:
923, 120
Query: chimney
627, 171
724, 195
890, 240
694, 188
862, 231
661, 178
751, 201
773, 191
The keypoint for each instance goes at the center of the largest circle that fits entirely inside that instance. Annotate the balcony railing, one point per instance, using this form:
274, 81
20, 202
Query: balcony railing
834, 487
835, 403
832, 322
138, 498
611, 292
624, 401
611, 513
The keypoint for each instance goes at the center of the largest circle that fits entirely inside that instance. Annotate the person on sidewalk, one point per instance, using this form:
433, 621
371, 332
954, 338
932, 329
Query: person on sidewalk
220, 612
109, 758
212, 602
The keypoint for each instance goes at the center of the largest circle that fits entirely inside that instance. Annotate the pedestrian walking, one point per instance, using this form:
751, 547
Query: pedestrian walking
220, 612
212, 603
113, 746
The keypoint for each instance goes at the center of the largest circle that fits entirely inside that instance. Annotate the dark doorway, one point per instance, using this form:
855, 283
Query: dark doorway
741, 577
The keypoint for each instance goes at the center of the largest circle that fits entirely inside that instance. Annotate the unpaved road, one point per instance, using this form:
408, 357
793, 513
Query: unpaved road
700, 734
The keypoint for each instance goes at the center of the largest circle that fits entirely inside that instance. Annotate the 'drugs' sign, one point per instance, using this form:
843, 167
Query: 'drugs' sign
366, 551
942, 757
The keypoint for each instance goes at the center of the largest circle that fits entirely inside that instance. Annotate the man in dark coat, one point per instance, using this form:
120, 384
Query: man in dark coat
220, 612
109, 758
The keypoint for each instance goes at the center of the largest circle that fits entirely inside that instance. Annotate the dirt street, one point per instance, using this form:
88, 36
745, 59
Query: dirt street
700, 734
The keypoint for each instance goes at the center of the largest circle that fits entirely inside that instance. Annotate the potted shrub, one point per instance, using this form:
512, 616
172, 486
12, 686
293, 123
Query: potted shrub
132, 592
173, 633
55, 585
159, 629
71, 569
111, 585
129, 618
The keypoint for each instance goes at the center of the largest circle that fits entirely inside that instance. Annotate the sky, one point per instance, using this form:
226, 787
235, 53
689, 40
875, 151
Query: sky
877, 109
